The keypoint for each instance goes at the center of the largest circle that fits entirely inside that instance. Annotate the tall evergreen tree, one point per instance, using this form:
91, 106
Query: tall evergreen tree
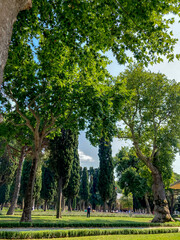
4, 194
72, 189
95, 198
112, 200
48, 184
84, 187
61, 159
7, 165
106, 176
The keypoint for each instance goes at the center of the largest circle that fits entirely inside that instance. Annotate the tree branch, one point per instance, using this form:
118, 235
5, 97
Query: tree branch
21, 114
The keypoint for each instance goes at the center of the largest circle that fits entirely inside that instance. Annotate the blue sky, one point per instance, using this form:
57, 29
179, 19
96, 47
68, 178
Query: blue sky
88, 153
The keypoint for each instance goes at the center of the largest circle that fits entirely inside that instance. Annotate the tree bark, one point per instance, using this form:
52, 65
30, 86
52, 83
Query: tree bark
147, 204
63, 203
58, 215
161, 209
9, 12
17, 184
26, 216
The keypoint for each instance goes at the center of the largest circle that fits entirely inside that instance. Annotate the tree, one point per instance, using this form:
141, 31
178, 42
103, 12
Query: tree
48, 185
133, 176
7, 165
61, 159
37, 186
18, 143
112, 200
4, 194
9, 12
43, 80
95, 198
17, 182
57, 98
106, 174
24, 179
72, 189
84, 187
151, 116
115, 25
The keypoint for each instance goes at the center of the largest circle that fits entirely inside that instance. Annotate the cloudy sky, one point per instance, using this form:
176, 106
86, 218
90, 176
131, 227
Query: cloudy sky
89, 154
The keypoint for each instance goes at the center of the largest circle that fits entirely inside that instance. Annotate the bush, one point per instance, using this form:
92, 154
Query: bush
79, 233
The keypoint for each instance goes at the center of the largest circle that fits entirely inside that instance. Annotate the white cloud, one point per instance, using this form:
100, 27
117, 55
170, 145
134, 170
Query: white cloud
85, 158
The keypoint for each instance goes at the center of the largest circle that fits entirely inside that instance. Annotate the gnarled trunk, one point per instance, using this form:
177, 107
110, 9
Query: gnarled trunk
17, 184
26, 216
9, 12
58, 215
161, 209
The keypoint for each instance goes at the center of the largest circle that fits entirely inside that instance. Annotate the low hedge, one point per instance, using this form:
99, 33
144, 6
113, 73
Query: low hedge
79, 233
85, 224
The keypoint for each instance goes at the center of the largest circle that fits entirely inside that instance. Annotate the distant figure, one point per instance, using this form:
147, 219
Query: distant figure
88, 211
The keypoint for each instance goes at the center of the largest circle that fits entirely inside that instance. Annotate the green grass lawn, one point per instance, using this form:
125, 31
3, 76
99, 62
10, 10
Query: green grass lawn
74, 219
167, 236
99, 219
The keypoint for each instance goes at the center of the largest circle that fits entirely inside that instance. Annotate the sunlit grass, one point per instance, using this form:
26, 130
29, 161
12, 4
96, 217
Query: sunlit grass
166, 236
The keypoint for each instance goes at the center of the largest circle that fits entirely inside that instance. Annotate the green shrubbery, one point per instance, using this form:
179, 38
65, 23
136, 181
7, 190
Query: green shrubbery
81, 224
78, 233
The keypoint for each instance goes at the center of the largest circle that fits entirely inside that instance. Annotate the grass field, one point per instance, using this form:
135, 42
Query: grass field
40, 218
167, 236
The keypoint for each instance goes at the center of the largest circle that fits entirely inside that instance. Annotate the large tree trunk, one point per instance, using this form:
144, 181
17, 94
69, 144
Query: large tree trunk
17, 184
147, 204
161, 209
26, 216
9, 12
58, 215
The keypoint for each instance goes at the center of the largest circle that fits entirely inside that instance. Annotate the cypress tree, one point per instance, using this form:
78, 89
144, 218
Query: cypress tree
112, 200
84, 187
95, 197
48, 184
24, 179
106, 176
72, 189
4, 194
61, 158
